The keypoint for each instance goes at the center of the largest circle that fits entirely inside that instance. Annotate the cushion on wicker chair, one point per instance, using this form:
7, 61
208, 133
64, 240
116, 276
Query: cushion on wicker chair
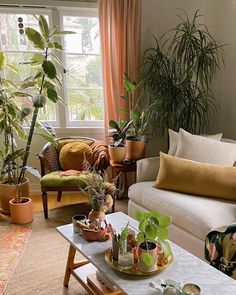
55, 179
72, 155
63, 141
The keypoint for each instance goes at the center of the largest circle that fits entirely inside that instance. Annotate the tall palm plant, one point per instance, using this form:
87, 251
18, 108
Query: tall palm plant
177, 76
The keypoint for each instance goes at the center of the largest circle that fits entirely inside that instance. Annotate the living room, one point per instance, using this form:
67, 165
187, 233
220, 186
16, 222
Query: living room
93, 81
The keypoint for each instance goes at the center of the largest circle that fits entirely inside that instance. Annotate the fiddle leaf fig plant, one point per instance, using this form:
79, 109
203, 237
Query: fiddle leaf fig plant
45, 82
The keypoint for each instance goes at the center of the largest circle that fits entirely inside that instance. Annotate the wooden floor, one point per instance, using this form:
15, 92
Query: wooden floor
67, 199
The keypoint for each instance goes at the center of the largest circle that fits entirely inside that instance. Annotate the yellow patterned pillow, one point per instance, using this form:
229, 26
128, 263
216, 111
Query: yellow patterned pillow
196, 178
72, 155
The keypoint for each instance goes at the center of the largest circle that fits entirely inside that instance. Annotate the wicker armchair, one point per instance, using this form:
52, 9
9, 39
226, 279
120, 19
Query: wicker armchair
49, 161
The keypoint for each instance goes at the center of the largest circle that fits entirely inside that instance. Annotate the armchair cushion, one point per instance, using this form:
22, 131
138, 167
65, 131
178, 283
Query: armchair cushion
61, 178
72, 155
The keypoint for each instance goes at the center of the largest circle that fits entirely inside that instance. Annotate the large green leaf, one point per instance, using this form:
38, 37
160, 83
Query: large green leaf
12, 69
147, 259
138, 215
151, 232
49, 69
61, 33
162, 233
35, 37
2, 60
52, 95
57, 45
43, 25
164, 220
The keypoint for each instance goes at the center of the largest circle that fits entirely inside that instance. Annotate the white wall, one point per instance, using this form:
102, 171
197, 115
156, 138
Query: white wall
158, 16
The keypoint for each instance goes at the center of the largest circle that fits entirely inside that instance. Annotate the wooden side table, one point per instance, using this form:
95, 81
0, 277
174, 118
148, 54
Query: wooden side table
122, 169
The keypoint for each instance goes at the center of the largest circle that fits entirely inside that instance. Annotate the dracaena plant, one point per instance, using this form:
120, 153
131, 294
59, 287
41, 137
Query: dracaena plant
12, 117
177, 76
45, 82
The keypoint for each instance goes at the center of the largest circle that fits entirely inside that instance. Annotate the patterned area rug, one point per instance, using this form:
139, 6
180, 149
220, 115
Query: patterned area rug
13, 239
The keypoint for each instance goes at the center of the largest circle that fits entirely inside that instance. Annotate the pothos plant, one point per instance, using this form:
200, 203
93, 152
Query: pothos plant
45, 82
153, 227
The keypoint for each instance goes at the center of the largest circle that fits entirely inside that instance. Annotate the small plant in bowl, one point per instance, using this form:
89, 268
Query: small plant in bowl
153, 232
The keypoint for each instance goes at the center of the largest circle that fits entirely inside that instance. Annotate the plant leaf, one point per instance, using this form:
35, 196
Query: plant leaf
43, 25
52, 95
32, 171
60, 33
49, 69
35, 37
147, 259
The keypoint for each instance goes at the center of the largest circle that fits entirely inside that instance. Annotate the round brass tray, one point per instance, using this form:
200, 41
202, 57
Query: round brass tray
134, 271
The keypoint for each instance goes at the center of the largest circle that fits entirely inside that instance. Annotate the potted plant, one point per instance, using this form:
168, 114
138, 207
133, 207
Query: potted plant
12, 118
177, 75
117, 151
137, 136
100, 192
46, 82
153, 232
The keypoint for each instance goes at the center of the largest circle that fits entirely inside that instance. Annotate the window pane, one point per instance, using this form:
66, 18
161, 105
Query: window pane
85, 105
10, 39
83, 70
86, 39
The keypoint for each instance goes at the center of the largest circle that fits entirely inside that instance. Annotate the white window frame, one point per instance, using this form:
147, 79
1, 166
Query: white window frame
55, 15
80, 12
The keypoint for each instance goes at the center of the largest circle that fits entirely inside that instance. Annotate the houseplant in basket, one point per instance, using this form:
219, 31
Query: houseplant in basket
45, 83
153, 232
12, 117
139, 115
117, 150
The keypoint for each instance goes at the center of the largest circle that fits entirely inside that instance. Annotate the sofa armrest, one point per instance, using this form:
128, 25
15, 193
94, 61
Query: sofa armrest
147, 169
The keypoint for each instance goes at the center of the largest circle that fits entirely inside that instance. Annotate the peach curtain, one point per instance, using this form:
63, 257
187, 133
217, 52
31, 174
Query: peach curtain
120, 23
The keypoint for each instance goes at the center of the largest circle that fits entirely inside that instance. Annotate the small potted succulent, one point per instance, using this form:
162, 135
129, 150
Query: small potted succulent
153, 232
117, 150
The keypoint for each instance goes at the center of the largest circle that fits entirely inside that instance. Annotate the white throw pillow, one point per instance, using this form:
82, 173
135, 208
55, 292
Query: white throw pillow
174, 139
201, 149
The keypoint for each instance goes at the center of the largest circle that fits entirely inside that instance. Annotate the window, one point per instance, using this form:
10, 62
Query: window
82, 84
18, 49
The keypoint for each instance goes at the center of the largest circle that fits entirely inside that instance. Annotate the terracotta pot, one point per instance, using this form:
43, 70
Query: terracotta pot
153, 252
117, 153
21, 213
8, 191
94, 235
93, 214
135, 150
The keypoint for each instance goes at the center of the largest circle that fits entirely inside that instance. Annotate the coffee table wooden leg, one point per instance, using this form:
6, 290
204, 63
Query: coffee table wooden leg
69, 265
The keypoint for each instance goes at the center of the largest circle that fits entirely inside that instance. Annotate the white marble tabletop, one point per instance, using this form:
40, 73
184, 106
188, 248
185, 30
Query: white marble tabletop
185, 267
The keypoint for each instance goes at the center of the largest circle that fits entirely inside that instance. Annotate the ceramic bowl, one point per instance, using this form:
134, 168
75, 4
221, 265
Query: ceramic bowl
94, 236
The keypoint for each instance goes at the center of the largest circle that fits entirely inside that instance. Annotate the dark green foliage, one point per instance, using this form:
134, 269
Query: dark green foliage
177, 77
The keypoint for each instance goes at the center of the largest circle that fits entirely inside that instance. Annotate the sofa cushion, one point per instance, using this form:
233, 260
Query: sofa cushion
72, 155
195, 214
201, 179
201, 149
174, 139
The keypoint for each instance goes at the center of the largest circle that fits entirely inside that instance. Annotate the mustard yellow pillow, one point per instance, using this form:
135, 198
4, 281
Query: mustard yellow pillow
196, 178
72, 155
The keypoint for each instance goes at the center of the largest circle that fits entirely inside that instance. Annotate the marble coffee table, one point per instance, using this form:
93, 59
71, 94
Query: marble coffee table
185, 267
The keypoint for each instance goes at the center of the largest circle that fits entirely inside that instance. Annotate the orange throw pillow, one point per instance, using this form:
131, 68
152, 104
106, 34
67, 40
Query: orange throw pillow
196, 178
72, 155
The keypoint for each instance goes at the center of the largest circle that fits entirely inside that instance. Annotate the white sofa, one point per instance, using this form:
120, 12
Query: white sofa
192, 216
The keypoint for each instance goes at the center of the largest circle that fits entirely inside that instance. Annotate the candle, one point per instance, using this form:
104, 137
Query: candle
191, 289
126, 260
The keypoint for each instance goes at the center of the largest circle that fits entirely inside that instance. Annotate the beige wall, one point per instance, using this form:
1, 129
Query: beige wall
159, 16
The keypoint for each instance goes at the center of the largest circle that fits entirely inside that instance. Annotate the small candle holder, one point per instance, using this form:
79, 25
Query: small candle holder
191, 289
125, 257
